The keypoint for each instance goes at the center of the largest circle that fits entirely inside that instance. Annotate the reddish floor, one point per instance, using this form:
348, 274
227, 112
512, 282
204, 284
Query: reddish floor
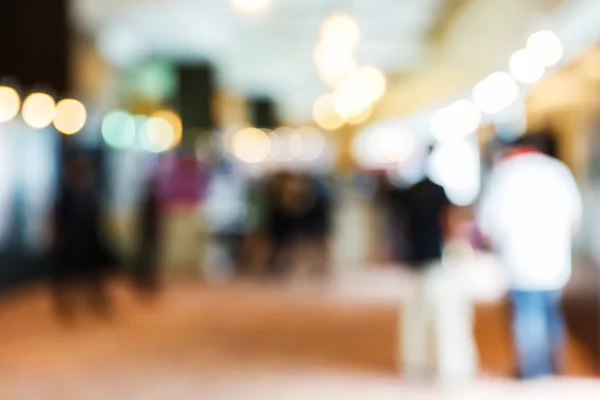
244, 341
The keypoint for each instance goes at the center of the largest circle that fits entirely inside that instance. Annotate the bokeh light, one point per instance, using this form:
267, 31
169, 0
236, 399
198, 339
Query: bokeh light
349, 103
118, 129
392, 145
39, 109
250, 6
325, 115
373, 80
71, 116
285, 144
456, 121
156, 135
525, 68
456, 167
251, 145
496, 92
341, 30
334, 63
384, 145
362, 117
312, 144
175, 121
546, 47
10, 102
357, 93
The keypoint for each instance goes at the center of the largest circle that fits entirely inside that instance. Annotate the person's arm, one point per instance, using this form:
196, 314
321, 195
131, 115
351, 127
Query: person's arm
485, 212
576, 203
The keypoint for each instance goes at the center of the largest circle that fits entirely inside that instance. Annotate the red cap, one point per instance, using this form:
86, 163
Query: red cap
521, 151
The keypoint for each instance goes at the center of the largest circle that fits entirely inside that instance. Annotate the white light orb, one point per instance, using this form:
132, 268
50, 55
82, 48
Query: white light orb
525, 67
546, 47
10, 103
341, 29
456, 167
251, 145
456, 121
325, 115
496, 92
39, 110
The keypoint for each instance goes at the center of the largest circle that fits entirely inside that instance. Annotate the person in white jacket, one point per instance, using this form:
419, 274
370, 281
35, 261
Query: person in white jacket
529, 211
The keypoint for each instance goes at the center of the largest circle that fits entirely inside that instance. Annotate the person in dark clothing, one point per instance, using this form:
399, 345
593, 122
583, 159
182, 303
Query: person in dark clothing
80, 255
297, 222
424, 207
145, 273
437, 305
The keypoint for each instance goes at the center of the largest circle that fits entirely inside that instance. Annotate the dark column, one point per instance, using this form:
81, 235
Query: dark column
195, 101
34, 48
34, 51
263, 113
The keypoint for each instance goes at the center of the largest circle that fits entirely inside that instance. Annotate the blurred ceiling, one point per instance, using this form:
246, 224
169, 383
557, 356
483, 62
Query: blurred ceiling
271, 53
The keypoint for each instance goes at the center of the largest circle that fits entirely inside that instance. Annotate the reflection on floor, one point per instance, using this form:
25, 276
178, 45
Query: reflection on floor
248, 340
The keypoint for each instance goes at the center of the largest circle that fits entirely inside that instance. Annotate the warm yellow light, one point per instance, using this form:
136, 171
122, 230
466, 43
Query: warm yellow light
525, 68
325, 115
357, 93
251, 145
546, 47
9, 103
373, 80
157, 135
250, 6
342, 30
334, 63
350, 101
496, 92
362, 117
70, 116
39, 109
175, 120
456, 121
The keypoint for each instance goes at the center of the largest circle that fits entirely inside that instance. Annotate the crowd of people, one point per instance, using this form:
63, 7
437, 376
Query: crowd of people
529, 209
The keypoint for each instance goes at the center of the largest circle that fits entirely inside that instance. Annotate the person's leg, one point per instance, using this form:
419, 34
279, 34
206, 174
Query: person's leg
60, 287
97, 287
531, 333
413, 330
457, 359
556, 330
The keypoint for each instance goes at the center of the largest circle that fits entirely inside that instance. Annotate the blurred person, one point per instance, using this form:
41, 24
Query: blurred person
146, 274
80, 256
529, 211
297, 222
224, 211
437, 304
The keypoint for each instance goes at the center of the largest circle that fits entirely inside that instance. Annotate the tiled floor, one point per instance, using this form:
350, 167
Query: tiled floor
248, 340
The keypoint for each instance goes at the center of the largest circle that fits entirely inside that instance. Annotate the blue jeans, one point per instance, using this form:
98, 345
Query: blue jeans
539, 332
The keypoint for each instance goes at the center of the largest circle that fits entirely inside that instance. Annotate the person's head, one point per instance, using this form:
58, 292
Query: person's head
542, 142
296, 191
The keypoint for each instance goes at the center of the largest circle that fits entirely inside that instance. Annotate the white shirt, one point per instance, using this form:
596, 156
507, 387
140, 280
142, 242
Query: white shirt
528, 210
